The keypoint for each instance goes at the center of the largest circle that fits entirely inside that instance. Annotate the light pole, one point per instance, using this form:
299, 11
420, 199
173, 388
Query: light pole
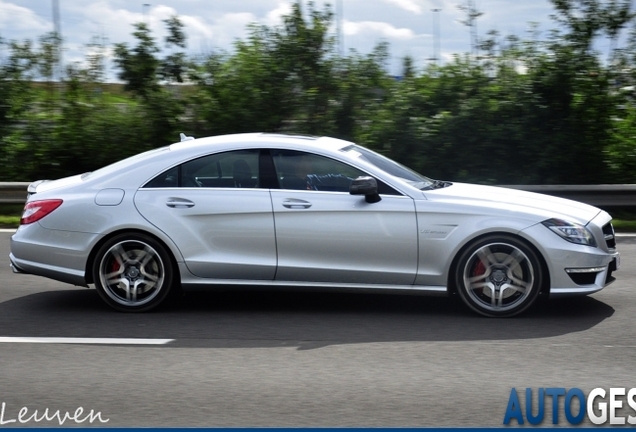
436, 44
339, 19
145, 12
58, 35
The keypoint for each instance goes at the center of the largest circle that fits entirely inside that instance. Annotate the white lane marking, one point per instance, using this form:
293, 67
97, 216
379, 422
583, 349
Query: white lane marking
71, 340
7, 230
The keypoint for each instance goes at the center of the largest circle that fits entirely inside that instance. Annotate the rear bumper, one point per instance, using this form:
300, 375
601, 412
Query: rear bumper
55, 254
62, 274
14, 267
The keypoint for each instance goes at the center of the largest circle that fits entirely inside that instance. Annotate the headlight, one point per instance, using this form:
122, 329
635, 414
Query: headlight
571, 231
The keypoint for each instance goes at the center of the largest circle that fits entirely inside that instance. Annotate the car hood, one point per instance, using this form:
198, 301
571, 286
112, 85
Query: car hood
537, 206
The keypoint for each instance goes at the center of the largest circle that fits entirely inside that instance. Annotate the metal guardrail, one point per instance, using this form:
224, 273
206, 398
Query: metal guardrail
13, 192
619, 195
609, 195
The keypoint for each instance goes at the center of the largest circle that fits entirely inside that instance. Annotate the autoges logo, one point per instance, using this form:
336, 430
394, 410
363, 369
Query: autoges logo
616, 406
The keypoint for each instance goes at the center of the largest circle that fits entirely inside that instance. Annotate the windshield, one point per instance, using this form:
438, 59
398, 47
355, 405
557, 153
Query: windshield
389, 166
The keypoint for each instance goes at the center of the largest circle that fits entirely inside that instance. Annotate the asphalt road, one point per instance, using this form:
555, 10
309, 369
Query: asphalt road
304, 359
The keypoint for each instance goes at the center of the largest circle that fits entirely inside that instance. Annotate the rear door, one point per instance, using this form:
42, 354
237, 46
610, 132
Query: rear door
216, 213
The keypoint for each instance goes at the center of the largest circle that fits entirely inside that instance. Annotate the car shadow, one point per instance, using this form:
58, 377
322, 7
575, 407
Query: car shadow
278, 319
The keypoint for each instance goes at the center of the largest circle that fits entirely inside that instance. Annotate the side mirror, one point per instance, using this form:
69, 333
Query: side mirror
367, 186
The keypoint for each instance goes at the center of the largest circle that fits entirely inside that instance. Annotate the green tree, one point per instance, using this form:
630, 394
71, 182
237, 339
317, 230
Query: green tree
246, 92
143, 72
363, 87
138, 66
174, 67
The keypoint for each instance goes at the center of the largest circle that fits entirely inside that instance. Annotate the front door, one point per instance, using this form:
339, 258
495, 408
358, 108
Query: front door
324, 234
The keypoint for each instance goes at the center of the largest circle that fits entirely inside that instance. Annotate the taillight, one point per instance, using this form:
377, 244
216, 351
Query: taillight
36, 210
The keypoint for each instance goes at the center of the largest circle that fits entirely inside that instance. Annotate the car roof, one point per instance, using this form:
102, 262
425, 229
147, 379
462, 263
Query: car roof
141, 167
308, 142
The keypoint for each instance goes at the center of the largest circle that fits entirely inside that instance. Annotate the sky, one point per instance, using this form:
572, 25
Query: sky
214, 25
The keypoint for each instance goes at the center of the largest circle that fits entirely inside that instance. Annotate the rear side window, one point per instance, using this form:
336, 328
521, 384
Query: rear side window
235, 169
166, 179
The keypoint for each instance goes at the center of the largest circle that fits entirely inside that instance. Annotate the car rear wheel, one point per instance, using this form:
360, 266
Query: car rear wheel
133, 272
499, 276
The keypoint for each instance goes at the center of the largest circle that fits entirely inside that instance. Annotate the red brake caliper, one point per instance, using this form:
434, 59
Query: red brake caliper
479, 269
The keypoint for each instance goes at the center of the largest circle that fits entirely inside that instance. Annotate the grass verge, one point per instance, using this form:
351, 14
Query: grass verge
9, 221
10, 215
622, 225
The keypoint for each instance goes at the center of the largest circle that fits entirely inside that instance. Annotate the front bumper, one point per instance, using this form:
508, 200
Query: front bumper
575, 269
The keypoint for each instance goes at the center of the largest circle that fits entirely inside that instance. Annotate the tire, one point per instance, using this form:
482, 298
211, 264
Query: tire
499, 276
133, 273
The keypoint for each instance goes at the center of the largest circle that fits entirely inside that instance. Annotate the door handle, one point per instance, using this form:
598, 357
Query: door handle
179, 203
296, 204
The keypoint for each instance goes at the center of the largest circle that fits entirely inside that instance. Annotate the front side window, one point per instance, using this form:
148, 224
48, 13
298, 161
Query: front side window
304, 171
235, 169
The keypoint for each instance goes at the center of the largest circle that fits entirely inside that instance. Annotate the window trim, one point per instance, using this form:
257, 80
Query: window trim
268, 175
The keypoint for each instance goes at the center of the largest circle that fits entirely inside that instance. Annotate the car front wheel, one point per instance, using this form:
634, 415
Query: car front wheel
133, 272
499, 276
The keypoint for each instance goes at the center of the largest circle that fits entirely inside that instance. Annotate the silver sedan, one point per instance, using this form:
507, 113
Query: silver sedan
309, 213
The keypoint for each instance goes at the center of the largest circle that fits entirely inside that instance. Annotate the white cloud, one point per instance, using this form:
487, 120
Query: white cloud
384, 29
99, 17
231, 20
274, 17
162, 12
196, 27
214, 25
229, 27
18, 18
408, 5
